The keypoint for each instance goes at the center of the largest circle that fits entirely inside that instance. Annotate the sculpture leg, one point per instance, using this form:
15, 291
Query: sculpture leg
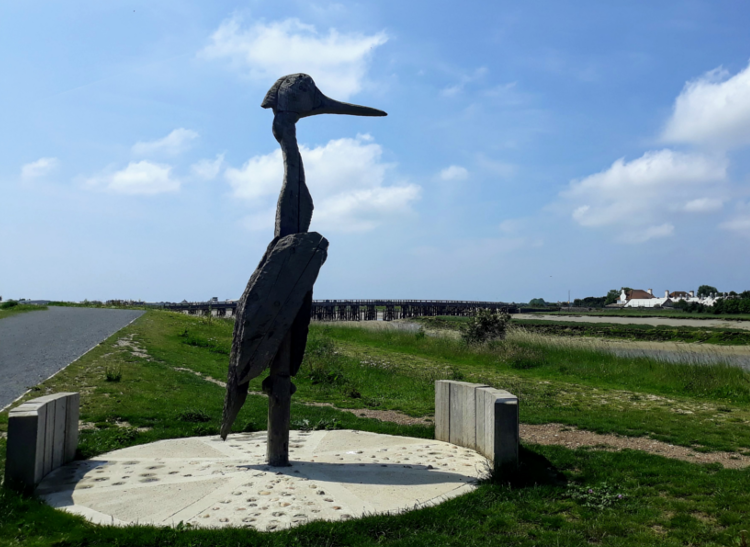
279, 388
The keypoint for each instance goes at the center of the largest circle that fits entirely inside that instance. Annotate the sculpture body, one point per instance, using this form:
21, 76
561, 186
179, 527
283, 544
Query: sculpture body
273, 314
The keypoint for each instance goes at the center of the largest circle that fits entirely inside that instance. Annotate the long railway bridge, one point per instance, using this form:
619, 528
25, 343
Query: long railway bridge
359, 310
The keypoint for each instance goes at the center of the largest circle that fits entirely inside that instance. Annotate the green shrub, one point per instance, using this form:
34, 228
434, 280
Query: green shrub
486, 325
457, 374
113, 374
8, 304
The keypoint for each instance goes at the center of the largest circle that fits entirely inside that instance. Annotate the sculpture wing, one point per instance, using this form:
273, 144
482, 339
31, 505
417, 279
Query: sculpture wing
269, 308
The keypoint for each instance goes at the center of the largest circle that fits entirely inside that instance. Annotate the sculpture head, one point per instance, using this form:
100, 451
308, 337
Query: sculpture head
298, 93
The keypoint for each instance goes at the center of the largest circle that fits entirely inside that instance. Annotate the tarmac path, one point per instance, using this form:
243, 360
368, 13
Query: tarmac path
38, 344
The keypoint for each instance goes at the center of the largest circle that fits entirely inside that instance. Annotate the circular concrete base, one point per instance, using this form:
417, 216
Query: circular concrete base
206, 482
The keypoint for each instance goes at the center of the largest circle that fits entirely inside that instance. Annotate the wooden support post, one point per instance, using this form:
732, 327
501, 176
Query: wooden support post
279, 388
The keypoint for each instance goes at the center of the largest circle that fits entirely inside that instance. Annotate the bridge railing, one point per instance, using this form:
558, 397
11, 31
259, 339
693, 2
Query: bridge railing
360, 310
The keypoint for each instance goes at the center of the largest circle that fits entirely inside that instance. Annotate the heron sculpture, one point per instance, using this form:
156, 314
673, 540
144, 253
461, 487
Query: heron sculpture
273, 314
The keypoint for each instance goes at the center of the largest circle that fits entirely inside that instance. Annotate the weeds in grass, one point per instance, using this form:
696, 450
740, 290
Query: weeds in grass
213, 345
521, 357
323, 423
193, 415
252, 427
599, 497
113, 374
327, 376
204, 429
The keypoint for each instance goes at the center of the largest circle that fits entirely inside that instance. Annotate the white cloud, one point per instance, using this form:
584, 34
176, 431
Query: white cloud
712, 110
495, 167
513, 225
352, 188
208, 169
645, 190
477, 253
648, 233
259, 221
260, 176
739, 225
38, 168
464, 80
703, 205
338, 62
454, 173
176, 142
143, 177
363, 210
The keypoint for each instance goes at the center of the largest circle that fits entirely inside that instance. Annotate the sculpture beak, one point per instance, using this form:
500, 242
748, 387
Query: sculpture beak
331, 106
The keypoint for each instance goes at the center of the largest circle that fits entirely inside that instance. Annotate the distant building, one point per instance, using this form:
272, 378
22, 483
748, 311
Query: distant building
645, 299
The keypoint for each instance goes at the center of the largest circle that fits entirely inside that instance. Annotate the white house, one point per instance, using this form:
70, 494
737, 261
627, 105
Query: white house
645, 299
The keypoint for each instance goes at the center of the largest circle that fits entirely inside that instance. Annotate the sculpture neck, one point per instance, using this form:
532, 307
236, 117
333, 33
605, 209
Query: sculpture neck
294, 209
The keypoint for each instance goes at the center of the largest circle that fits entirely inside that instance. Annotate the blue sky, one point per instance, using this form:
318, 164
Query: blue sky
530, 148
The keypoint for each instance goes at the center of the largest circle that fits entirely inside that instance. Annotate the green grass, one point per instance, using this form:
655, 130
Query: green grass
650, 333
641, 312
665, 502
18, 309
676, 403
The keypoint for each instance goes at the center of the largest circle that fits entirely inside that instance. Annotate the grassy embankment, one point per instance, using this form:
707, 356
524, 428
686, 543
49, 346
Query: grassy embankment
133, 393
648, 333
15, 309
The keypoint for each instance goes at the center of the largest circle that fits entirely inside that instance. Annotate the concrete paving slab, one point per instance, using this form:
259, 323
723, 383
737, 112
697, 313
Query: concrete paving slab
443, 410
203, 481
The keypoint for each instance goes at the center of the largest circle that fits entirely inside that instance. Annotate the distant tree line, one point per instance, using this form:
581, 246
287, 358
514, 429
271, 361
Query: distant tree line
736, 303
599, 301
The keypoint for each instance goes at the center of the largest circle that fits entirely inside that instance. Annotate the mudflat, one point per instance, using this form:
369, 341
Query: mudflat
654, 321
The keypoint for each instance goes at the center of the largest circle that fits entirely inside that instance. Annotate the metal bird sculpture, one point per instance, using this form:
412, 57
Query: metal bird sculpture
273, 314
